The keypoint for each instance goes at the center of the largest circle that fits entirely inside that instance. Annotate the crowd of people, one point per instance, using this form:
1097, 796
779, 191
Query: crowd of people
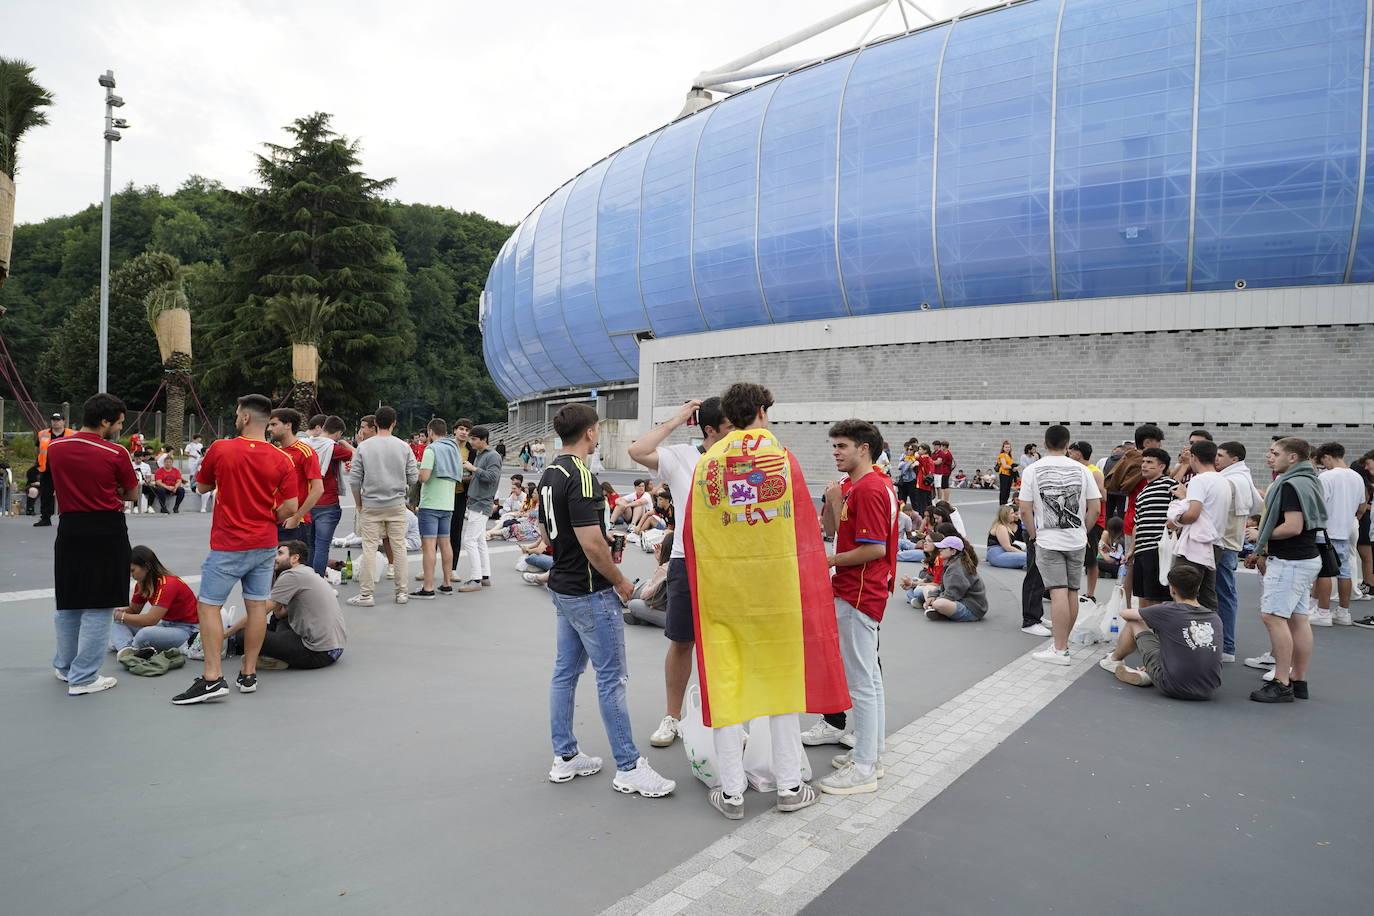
1173, 530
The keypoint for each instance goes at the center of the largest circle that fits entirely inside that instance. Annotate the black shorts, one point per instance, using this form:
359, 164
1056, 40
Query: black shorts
1363, 536
1090, 552
680, 625
1145, 577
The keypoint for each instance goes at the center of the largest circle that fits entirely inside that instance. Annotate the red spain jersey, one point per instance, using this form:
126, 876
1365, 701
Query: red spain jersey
251, 478
869, 516
307, 466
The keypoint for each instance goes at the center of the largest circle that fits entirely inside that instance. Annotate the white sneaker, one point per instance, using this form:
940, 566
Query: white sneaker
732, 806
124, 653
581, 765
1052, 656
642, 780
1362, 593
1341, 617
95, 686
847, 781
666, 733
1136, 676
1037, 629
1266, 660
1269, 675
848, 739
1047, 623
362, 601
801, 797
402, 598
390, 571
1107, 663
1227, 658
1321, 617
840, 761
822, 733
532, 578
522, 565
59, 675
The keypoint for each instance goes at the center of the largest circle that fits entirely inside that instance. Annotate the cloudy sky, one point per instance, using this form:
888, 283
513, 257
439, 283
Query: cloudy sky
478, 106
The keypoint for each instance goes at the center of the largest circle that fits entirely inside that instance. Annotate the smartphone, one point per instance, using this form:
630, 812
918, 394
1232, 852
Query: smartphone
695, 420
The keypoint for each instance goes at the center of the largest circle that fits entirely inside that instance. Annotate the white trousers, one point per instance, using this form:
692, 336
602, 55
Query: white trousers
786, 758
474, 556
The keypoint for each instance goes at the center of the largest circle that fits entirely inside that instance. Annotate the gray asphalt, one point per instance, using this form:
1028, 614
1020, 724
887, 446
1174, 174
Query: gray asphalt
1116, 799
408, 777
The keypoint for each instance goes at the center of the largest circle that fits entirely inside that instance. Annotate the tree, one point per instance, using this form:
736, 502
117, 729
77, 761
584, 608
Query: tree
303, 316
21, 109
169, 313
317, 225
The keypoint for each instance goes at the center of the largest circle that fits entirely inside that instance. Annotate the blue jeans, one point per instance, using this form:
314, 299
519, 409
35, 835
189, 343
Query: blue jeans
223, 569
591, 627
326, 521
1228, 600
1006, 559
81, 639
962, 614
859, 649
162, 635
540, 561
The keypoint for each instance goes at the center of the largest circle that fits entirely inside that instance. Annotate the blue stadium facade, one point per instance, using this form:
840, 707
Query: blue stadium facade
1040, 151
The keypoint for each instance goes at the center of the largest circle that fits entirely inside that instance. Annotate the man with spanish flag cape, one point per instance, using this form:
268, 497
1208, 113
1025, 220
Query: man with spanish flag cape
767, 642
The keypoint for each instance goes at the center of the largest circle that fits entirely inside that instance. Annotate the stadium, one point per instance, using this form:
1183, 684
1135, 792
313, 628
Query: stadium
1080, 211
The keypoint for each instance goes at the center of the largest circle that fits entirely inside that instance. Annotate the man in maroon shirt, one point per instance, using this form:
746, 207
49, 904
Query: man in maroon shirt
861, 513
93, 478
943, 460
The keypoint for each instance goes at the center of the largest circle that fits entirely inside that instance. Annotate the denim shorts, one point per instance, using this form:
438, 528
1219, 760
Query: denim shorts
223, 569
962, 614
435, 523
1347, 553
1286, 585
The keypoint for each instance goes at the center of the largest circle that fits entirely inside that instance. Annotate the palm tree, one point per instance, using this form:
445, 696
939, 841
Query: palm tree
303, 317
169, 312
21, 104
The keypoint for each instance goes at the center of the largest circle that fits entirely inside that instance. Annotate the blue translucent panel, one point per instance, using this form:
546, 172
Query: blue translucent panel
581, 311
992, 195
1123, 149
727, 276
797, 259
1362, 265
887, 131
517, 367
1278, 141
492, 343
550, 324
617, 241
628, 349
530, 340
665, 230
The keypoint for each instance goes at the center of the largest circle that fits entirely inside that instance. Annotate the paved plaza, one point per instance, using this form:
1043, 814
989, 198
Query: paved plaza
410, 777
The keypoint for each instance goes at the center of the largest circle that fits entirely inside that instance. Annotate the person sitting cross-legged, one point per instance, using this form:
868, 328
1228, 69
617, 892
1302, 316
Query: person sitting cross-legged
963, 598
1179, 642
306, 625
161, 614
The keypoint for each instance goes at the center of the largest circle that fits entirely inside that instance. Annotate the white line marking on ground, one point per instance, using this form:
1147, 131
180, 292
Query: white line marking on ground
778, 863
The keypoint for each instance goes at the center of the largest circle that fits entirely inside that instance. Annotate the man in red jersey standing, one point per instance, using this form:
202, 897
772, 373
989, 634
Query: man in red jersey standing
282, 427
861, 513
255, 490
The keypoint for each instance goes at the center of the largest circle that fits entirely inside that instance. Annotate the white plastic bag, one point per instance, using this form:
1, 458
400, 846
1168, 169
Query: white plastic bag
1111, 626
333, 576
1087, 628
758, 757
698, 740
1168, 546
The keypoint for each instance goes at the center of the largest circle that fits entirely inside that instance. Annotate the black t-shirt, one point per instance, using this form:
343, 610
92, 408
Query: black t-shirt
1302, 547
570, 497
1190, 649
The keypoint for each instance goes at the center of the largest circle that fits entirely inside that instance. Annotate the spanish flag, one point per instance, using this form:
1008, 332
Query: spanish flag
767, 642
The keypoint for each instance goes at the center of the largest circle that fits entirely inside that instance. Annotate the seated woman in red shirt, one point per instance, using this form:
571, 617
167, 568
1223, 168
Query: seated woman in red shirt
161, 613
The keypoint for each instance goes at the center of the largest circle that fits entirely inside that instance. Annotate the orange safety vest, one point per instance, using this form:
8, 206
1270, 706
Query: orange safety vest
44, 439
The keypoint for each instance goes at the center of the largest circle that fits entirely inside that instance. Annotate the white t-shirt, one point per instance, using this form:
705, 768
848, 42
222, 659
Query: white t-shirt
1059, 489
676, 466
194, 449
1212, 490
1343, 491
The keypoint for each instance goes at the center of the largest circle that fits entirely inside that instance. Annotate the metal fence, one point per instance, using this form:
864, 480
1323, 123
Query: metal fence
152, 424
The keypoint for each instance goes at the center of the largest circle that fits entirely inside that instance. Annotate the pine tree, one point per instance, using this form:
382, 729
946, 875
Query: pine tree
316, 226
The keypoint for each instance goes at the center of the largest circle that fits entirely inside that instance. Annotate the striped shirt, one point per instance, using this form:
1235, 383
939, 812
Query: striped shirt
1151, 513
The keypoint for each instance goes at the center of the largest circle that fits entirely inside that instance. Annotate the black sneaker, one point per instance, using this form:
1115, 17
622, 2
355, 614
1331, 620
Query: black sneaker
1273, 692
145, 653
1367, 623
421, 594
43, 523
448, 590
1299, 689
248, 683
202, 690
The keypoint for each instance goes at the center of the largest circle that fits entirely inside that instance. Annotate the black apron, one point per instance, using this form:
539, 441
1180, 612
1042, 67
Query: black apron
91, 560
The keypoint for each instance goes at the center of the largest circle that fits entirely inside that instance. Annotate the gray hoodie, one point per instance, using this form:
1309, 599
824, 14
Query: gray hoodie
482, 486
958, 585
383, 470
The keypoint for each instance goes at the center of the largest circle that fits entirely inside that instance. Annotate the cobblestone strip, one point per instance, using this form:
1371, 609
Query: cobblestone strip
777, 863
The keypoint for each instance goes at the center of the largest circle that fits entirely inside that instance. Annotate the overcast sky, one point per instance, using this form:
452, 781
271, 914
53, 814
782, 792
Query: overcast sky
477, 106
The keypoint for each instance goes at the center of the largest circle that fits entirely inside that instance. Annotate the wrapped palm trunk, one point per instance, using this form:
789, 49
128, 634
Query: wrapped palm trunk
305, 372
178, 375
6, 225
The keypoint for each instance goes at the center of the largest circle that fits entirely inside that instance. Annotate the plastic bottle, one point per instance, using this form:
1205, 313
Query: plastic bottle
348, 566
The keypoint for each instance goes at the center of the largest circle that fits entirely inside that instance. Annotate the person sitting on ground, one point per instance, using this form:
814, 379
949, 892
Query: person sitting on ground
307, 625
910, 534
1004, 552
660, 519
629, 509
167, 483
926, 586
612, 497
963, 598
960, 481
649, 601
522, 528
514, 503
1179, 642
1111, 548
162, 612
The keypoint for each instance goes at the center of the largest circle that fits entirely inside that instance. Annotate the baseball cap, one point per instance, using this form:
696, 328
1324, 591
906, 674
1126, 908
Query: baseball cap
57, 416
953, 543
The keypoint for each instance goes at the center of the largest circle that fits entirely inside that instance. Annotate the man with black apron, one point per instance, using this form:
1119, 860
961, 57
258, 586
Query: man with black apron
93, 477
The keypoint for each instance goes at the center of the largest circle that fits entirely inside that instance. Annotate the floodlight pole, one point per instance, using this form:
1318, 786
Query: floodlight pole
111, 135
